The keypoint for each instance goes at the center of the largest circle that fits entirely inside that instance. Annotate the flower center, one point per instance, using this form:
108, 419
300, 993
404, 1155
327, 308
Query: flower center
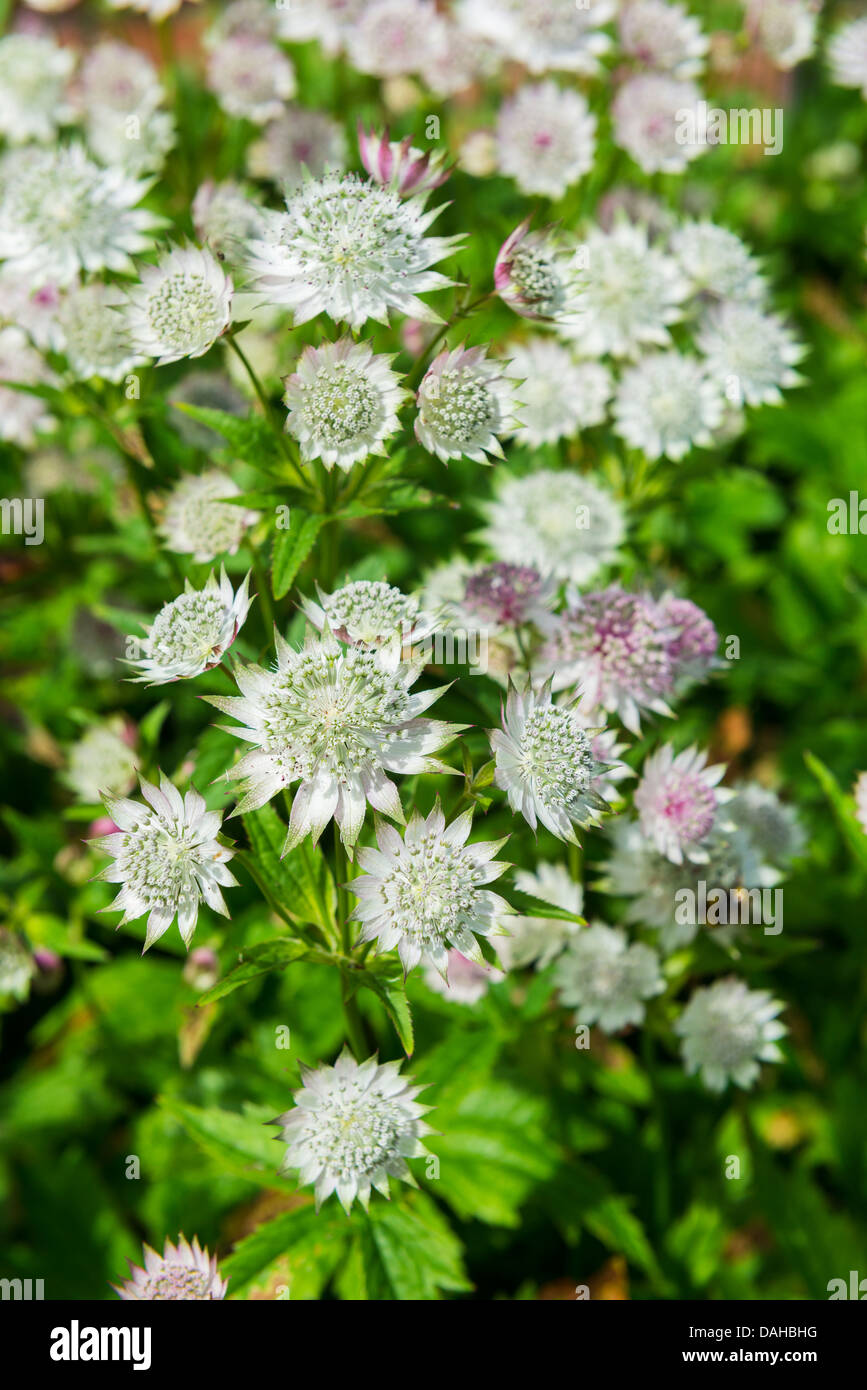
556, 756
340, 405
459, 407
190, 626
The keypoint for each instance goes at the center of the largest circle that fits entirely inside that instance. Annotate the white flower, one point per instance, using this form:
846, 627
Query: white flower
545, 763
501, 597
666, 404
464, 402
33, 310
326, 20
391, 37
544, 35
786, 29
559, 396
546, 138
467, 982
343, 402
143, 151
22, 416
181, 306
225, 216
182, 1273
353, 1127
631, 292
17, 966
537, 940
750, 350
427, 892
34, 72
606, 979
648, 113
847, 55
772, 826
256, 18
663, 36
564, 524
298, 141
337, 719
117, 77
250, 77
198, 522
193, 632
167, 859
96, 334
538, 274
727, 1030
716, 261
103, 760
351, 250
677, 801
60, 214
369, 612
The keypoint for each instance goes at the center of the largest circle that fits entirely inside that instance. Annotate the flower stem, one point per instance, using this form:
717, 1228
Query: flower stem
466, 312
279, 433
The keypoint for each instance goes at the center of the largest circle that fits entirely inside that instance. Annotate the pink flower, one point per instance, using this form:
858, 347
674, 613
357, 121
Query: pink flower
399, 165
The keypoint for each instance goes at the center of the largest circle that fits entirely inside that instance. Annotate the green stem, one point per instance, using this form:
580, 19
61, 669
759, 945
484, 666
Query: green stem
262, 589
466, 312
354, 1025
279, 432
661, 1167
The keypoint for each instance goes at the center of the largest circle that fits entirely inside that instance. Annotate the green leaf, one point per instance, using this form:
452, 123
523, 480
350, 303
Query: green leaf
250, 436
404, 1250
301, 882
240, 1144
528, 906
255, 962
309, 1243
291, 548
391, 989
843, 807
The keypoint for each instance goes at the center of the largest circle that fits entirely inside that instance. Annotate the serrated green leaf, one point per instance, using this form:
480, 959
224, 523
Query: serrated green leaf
255, 962
404, 1250
240, 1143
291, 548
843, 808
300, 883
310, 1243
391, 989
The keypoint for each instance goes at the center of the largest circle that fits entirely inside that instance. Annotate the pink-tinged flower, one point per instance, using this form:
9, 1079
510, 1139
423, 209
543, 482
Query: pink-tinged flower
192, 633
650, 112
546, 137
465, 401
663, 36
467, 981
299, 140
399, 165
391, 37
508, 596
693, 641
615, 647
538, 273
183, 1272
678, 801
251, 78
202, 969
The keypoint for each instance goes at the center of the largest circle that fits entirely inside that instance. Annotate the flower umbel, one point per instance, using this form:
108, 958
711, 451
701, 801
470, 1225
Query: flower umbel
606, 978
182, 305
342, 402
464, 401
727, 1030
183, 1272
192, 633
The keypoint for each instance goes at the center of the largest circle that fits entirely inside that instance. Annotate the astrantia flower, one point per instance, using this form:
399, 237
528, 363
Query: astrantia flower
564, 524
467, 981
17, 966
537, 940
727, 1030
545, 764
117, 77
103, 760
256, 18
326, 20
507, 596
630, 293
197, 522
391, 37
546, 138
772, 826
22, 416
342, 402
606, 979
666, 405
193, 632
96, 334
647, 114
167, 859
353, 1127
250, 77
33, 310
183, 1273
678, 800
370, 612
716, 261
299, 142
538, 273
351, 250
786, 29
60, 214
109, 138
613, 646
226, 215
847, 55
754, 350
465, 401
663, 36
398, 164
426, 892
692, 640
181, 306
559, 396
546, 35
337, 719
33, 75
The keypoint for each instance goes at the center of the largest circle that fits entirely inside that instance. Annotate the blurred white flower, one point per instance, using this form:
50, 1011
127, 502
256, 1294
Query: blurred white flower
17, 966
563, 523
197, 522
545, 35
607, 979
250, 77
299, 142
22, 415
546, 138
786, 29
192, 633
537, 940
35, 311
648, 115
116, 77
138, 145
716, 262
96, 334
772, 826
154, 9
663, 36
342, 402
329, 21
727, 1030
847, 55
103, 760
226, 215
751, 351
34, 72
630, 293
559, 397
467, 981
678, 800
666, 404
391, 37
181, 305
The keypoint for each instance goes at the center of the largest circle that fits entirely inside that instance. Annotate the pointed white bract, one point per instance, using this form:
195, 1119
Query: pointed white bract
337, 719
181, 306
560, 396
667, 404
167, 859
34, 71
546, 138
607, 979
353, 1127
426, 892
753, 351
193, 632
545, 763
727, 1030
182, 1273
343, 402
398, 164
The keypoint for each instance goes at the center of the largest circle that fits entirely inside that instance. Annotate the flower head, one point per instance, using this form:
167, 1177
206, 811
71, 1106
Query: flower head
33, 310
391, 37
716, 262
250, 77
343, 402
62, 214
117, 77
198, 521
465, 401
369, 612
182, 1273
103, 760
155, 10
329, 21
692, 640
467, 982
547, 35
538, 273
298, 142
647, 114
847, 55
428, 891
507, 596
666, 405
545, 763
546, 137
225, 216
727, 1030
786, 29
336, 719
754, 350
605, 978
96, 334
559, 396
663, 36
22, 416
351, 250
181, 306
167, 859
399, 165
565, 524
34, 72
108, 138
537, 941
677, 801
772, 826
193, 632
630, 293
353, 1127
